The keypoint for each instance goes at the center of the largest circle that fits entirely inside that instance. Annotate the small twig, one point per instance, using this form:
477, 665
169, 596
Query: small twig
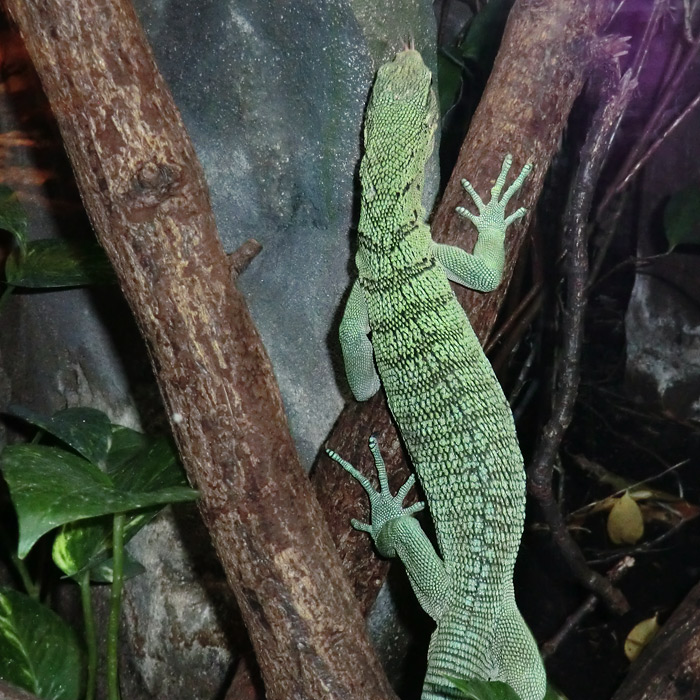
614, 575
540, 473
517, 404
13, 139
513, 318
643, 548
621, 485
637, 166
522, 316
652, 417
242, 257
650, 29
617, 9
688, 19
627, 438
639, 262
534, 304
669, 93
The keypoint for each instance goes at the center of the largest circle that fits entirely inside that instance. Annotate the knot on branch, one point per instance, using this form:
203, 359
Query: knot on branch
151, 184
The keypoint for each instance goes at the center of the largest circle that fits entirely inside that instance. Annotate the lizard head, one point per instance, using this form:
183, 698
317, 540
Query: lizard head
399, 129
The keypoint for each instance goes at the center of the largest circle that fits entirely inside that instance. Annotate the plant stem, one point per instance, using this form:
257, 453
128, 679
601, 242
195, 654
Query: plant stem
115, 607
9, 288
32, 588
90, 636
604, 125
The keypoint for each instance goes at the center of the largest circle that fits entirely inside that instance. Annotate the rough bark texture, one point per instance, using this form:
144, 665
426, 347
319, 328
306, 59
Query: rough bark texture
144, 191
669, 668
545, 55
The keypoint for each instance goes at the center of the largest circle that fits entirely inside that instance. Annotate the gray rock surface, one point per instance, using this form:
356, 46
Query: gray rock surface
662, 324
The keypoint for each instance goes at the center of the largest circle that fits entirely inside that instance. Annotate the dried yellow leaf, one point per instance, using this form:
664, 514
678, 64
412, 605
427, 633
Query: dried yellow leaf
640, 635
625, 522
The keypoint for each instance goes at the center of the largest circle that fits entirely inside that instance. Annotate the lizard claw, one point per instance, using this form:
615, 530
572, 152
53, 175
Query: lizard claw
384, 506
491, 219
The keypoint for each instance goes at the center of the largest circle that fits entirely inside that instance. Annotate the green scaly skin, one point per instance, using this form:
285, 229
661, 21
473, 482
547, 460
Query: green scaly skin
447, 402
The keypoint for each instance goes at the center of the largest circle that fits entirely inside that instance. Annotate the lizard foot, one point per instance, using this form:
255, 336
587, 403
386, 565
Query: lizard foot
491, 219
384, 506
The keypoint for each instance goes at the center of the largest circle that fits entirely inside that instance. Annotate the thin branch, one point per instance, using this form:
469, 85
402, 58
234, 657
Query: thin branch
526, 315
656, 14
652, 125
587, 607
522, 309
642, 160
643, 548
540, 474
242, 257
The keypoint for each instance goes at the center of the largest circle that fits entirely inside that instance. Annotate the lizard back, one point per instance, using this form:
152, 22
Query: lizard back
444, 396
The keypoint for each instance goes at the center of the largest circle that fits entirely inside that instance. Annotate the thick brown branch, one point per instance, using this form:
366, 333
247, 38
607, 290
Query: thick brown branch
540, 70
144, 191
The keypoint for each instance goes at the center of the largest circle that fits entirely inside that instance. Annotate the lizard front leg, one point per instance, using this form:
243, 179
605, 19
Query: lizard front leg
482, 269
358, 355
396, 532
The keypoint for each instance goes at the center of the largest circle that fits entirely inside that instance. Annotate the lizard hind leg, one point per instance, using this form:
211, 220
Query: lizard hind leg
516, 654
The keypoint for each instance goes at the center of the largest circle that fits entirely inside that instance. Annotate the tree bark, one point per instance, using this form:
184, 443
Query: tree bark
146, 197
669, 668
546, 54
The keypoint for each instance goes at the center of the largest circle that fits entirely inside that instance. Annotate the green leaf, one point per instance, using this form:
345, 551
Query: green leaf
104, 572
126, 444
57, 263
87, 544
682, 217
449, 80
484, 690
87, 430
154, 466
13, 218
481, 42
38, 650
135, 463
51, 487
